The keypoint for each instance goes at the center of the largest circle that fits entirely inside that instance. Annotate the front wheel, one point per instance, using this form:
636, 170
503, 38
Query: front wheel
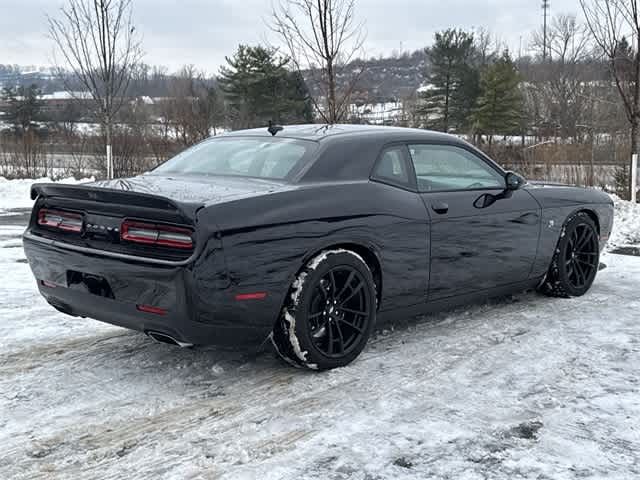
576, 259
329, 313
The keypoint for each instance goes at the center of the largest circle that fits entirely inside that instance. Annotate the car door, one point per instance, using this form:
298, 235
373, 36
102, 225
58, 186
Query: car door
404, 235
482, 235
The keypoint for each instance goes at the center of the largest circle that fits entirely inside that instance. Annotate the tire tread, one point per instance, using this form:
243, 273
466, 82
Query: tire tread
281, 336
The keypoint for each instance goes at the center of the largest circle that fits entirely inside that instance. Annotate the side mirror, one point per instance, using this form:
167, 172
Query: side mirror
514, 181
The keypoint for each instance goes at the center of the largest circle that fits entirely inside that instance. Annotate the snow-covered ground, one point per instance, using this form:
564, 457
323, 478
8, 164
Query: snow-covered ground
524, 387
14, 194
627, 225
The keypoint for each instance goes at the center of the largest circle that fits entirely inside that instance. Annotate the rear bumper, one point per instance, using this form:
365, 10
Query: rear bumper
133, 282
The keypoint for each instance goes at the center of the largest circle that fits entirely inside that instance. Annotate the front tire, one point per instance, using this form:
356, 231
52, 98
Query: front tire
329, 313
576, 259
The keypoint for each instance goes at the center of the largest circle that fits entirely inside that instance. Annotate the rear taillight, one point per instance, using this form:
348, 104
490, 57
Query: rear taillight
156, 234
60, 220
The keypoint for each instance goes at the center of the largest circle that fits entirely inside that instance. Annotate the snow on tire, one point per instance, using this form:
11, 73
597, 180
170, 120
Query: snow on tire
329, 312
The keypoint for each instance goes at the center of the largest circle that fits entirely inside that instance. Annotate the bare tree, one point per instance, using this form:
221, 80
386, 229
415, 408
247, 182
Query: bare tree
615, 26
488, 46
98, 43
563, 80
323, 38
196, 108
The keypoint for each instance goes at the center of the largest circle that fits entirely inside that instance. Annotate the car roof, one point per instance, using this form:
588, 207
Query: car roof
347, 152
320, 133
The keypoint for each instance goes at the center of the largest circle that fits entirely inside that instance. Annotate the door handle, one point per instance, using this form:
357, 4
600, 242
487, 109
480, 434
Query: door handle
440, 208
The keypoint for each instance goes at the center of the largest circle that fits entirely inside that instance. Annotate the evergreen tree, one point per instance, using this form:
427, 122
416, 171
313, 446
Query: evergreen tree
24, 106
466, 96
453, 80
259, 88
499, 107
302, 109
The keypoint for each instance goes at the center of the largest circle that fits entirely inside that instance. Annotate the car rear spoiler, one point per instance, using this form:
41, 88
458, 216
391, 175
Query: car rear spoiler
135, 200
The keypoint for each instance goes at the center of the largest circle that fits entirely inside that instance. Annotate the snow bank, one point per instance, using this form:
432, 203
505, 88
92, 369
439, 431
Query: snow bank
14, 194
626, 225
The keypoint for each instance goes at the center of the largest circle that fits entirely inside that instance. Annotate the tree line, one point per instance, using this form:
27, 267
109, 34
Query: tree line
254, 87
577, 85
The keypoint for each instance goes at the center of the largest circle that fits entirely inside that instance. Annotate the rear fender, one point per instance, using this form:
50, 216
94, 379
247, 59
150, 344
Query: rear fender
333, 243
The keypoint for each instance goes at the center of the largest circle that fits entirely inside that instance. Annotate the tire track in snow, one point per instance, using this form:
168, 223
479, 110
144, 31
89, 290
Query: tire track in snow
445, 393
29, 357
182, 418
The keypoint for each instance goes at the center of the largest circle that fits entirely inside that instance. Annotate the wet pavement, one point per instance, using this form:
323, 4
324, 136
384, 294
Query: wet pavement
18, 216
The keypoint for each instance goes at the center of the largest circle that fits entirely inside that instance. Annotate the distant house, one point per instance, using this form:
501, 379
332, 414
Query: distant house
379, 113
59, 101
55, 101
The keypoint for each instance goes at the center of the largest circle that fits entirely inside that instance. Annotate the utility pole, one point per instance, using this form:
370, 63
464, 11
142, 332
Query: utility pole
545, 11
520, 49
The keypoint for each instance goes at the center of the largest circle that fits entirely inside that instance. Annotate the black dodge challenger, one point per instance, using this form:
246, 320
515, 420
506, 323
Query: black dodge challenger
308, 235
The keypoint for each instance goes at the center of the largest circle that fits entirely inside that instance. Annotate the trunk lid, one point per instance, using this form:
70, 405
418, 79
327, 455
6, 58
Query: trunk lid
190, 189
185, 194
167, 200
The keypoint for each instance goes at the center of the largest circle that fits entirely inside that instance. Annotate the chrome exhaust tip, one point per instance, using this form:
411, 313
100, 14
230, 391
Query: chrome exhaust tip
164, 338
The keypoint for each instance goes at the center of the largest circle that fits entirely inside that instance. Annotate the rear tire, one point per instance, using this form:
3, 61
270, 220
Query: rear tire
575, 262
329, 313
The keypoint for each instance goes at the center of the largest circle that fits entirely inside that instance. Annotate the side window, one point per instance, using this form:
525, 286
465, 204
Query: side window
445, 167
392, 167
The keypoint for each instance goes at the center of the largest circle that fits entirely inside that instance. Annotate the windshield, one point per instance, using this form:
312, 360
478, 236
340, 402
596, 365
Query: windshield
274, 158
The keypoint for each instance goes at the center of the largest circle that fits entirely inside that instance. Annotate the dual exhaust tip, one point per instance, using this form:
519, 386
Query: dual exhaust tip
164, 338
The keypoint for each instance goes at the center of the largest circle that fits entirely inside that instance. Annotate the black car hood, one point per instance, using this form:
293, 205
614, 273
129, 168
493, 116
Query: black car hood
551, 194
206, 190
545, 184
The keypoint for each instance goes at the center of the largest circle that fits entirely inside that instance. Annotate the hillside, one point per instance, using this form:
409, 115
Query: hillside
384, 78
392, 78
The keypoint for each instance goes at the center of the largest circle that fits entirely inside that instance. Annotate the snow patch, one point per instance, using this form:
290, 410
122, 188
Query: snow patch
313, 264
291, 330
297, 287
626, 226
293, 339
280, 354
15, 194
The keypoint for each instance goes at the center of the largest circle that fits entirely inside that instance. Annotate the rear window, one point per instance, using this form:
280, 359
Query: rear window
276, 158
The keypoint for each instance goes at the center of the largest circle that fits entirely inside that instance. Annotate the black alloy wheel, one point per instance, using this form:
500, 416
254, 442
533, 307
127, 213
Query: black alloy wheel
339, 311
576, 261
581, 256
329, 314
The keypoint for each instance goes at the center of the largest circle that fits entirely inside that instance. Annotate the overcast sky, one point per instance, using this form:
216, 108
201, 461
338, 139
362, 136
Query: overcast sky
202, 32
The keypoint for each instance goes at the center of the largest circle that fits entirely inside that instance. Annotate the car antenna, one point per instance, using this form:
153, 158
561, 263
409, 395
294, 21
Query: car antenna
273, 129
